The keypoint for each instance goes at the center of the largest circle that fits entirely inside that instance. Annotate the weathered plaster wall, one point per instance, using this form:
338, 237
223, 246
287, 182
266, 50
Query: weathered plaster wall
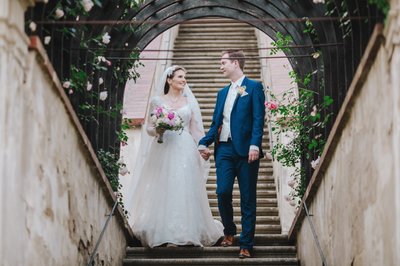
356, 207
53, 196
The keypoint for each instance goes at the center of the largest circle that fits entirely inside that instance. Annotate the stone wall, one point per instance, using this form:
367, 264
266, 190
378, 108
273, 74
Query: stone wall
54, 197
275, 76
354, 195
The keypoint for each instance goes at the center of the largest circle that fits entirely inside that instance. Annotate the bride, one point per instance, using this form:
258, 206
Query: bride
168, 201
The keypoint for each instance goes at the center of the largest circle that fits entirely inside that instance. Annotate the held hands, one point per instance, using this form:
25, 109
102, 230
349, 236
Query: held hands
253, 155
206, 153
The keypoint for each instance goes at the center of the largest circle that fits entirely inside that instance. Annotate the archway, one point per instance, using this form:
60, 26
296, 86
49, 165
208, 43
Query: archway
340, 32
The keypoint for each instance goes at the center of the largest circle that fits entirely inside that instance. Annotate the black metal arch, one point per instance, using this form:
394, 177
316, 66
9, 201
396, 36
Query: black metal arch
336, 65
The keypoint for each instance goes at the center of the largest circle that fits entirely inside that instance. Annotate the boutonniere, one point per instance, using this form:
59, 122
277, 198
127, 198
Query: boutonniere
242, 91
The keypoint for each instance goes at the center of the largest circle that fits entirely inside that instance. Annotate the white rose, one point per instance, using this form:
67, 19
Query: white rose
315, 163
47, 40
123, 170
32, 26
87, 5
106, 38
67, 84
101, 81
291, 183
59, 13
103, 95
89, 86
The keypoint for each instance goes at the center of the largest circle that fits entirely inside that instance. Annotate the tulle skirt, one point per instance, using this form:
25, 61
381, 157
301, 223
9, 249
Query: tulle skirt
170, 203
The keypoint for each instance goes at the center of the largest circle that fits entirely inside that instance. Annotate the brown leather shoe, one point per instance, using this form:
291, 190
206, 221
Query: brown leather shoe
244, 253
228, 241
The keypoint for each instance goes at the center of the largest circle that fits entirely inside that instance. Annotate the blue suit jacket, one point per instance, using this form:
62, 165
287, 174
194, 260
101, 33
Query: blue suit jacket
247, 118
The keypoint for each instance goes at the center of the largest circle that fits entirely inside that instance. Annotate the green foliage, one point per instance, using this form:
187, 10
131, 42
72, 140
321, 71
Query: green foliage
294, 120
111, 165
382, 5
88, 78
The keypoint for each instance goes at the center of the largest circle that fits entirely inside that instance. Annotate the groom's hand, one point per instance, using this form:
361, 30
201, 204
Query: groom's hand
253, 155
205, 154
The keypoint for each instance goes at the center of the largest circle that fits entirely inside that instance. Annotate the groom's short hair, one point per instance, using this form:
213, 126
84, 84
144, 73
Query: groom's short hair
236, 55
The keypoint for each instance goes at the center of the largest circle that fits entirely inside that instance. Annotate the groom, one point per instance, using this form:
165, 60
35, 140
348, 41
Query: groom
237, 130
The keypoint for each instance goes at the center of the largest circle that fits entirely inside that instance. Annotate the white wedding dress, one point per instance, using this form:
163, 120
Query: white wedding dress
169, 203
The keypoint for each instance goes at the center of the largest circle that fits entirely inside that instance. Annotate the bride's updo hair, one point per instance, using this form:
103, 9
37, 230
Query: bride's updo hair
170, 76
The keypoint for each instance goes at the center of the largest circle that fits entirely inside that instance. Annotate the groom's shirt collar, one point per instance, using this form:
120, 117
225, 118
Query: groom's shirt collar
238, 82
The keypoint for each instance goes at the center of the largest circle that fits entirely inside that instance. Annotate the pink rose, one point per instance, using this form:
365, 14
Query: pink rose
171, 116
271, 105
159, 111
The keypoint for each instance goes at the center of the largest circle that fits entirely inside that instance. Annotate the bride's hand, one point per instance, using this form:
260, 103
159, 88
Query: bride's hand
160, 131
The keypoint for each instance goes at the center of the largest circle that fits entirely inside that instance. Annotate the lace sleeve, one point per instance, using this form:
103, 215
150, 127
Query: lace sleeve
150, 128
196, 128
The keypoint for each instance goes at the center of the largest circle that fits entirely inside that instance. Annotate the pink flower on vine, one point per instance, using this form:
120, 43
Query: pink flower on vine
271, 105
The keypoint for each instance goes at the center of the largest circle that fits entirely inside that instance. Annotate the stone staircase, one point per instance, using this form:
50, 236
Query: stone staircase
205, 79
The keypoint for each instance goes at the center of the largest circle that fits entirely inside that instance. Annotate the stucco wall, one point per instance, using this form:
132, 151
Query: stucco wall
275, 76
53, 198
356, 207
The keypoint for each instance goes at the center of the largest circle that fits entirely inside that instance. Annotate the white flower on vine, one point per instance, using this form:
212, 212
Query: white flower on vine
103, 95
47, 40
315, 163
70, 91
291, 183
319, 1
89, 86
120, 160
67, 84
106, 38
101, 81
59, 13
101, 59
314, 111
122, 111
123, 171
32, 26
87, 5
315, 55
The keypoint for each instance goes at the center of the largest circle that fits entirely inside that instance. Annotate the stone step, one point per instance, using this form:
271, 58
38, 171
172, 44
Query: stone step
208, 252
214, 71
213, 51
215, 29
236, 194
260, 185
265, 211
203, 64
211, 261
262, 202
260, 172
261, 179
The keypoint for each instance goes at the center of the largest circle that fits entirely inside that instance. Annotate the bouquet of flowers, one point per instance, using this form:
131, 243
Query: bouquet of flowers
163, 119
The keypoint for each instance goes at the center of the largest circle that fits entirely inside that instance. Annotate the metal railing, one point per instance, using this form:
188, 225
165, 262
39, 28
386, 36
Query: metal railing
90, 263
321, 253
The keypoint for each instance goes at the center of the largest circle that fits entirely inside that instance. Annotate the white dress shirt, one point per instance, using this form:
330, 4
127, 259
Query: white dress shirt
230, 100
226, 125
